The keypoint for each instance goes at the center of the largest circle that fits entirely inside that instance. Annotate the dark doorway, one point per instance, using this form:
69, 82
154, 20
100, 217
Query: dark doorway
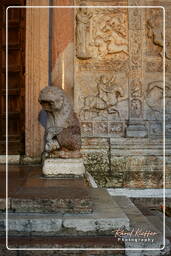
16, 78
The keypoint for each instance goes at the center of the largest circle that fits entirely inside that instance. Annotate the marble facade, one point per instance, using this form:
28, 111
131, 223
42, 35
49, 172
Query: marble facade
110, 63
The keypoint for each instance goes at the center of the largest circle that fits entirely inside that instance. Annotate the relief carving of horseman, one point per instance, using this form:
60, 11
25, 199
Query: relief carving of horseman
104, 104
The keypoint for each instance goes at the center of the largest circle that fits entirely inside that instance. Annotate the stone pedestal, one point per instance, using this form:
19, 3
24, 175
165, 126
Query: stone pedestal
63, 168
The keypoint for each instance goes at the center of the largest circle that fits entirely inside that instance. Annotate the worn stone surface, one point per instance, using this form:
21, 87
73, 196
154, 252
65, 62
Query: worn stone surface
95, 152
34, 224
127, 162
137, 163
97, 164
56, 167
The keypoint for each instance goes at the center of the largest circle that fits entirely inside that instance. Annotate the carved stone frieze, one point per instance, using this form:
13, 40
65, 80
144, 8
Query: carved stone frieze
103, 105
110, 35
101, 128
101, 33
101, 96
86, 129
116, 129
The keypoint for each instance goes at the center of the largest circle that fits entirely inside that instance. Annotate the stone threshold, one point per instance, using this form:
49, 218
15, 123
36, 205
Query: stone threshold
19, 159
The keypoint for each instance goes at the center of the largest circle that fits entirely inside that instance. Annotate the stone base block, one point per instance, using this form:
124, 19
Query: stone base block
56, 167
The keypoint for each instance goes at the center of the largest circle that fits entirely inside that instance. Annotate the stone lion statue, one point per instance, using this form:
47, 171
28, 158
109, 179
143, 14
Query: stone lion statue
62, 132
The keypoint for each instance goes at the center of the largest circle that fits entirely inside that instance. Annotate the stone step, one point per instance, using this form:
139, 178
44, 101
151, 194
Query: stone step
139, 224
105, 218
58, 243
111, 214
63, 196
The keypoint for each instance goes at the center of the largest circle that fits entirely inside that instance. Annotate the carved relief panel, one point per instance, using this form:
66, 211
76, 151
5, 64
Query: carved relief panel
119, 68
101, 69
154, 84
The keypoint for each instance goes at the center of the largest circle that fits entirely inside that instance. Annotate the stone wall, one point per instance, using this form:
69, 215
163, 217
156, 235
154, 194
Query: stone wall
118, 91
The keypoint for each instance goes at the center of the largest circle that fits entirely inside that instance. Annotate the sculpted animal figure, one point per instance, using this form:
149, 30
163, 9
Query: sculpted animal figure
62, 131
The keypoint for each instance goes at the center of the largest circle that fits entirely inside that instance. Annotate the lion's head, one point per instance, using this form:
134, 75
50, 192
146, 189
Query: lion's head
51, 99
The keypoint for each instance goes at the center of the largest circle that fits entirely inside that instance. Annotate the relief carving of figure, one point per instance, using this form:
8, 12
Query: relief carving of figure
154, 100
104, 104
136, 46
62, 131
136, 108
136, 88
83, 33
110, 35
155, 32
